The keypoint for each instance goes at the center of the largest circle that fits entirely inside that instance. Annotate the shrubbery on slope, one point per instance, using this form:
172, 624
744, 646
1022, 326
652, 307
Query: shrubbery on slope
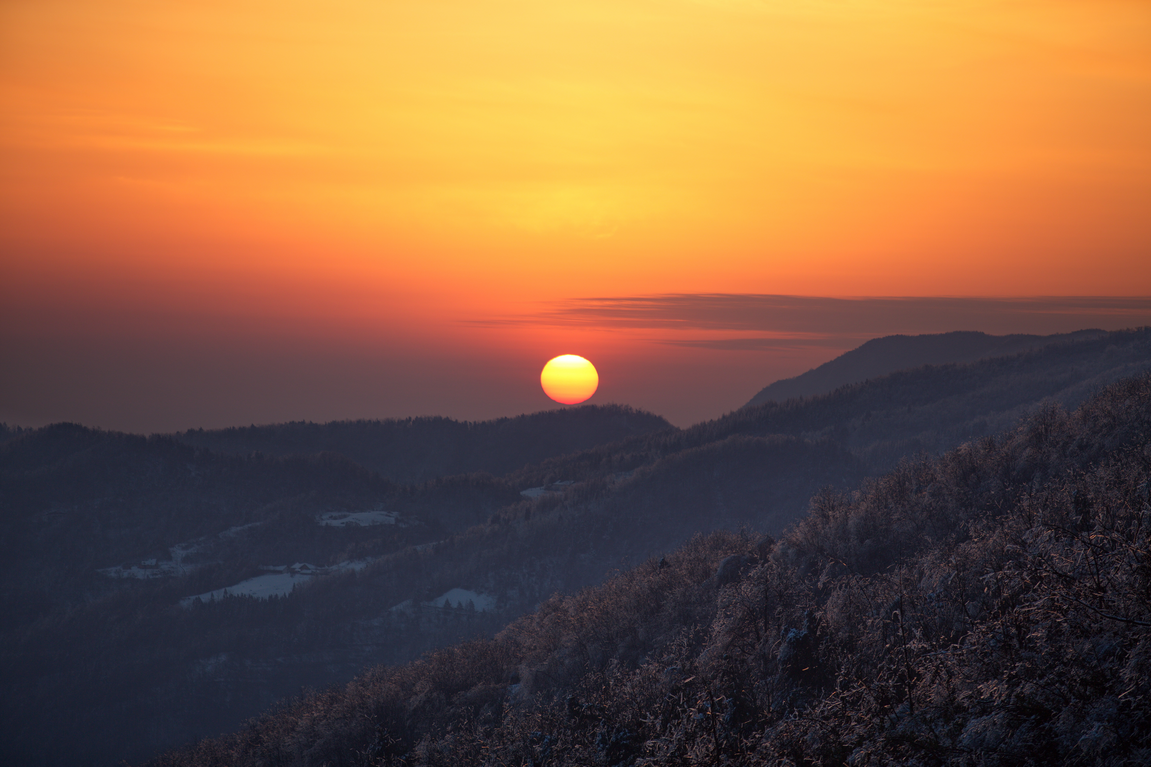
989, 607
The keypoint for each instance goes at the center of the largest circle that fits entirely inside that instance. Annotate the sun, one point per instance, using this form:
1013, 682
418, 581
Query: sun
569, 379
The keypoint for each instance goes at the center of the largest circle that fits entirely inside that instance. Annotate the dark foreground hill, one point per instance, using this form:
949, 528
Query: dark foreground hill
883, 356
989, 607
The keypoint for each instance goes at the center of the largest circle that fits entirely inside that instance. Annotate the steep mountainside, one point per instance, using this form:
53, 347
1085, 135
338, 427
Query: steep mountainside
882, 356
990, 607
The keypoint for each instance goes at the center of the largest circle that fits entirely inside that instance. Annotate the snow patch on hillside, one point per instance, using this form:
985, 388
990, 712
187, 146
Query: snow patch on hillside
260, 587
554, 487
280, 580
461, 597
156, 568
358, 518
146, 570
451, 600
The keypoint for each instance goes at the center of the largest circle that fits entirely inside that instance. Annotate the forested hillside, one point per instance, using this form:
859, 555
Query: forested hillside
989, 607
158, 592
415, 450
118, 638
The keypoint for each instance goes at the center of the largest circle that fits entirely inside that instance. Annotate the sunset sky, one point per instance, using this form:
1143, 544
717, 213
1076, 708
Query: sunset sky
222, 213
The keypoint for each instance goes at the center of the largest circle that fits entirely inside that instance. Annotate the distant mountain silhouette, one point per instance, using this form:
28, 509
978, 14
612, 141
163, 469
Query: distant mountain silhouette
420, 449
881, 356
927, 409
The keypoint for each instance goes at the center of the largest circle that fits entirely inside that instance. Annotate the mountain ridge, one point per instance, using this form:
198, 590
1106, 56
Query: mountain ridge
890, 354
410, 450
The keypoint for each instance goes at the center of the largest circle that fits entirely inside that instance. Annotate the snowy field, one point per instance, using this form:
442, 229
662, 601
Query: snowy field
279, 581
453, 599
358, 518
146, 570
461, 597
153, 568
554, 487
176, 565
261, 587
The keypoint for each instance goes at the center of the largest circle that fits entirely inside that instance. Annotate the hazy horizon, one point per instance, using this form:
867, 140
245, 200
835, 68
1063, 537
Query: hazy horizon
252, 213
718, 351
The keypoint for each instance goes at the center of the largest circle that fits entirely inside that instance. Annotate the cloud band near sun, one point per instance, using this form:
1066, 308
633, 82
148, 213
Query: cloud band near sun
737, 322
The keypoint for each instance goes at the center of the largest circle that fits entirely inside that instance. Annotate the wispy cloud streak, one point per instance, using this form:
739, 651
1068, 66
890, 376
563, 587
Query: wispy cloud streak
753, 321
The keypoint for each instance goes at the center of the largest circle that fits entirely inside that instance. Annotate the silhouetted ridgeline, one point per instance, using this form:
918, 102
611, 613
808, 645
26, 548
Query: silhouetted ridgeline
928, 409
419, 449
989, 607
890, 354
10, 432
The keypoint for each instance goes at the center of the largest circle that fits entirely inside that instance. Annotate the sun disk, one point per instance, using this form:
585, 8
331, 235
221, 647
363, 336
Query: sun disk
569, 379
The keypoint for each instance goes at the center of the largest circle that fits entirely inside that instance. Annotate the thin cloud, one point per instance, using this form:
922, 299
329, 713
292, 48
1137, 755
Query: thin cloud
762, 343
809, 317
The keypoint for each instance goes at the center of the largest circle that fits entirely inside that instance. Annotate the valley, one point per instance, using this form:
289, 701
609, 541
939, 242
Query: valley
150, 589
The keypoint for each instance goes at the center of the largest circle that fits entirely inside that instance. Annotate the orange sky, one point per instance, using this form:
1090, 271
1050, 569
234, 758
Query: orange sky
414, 184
